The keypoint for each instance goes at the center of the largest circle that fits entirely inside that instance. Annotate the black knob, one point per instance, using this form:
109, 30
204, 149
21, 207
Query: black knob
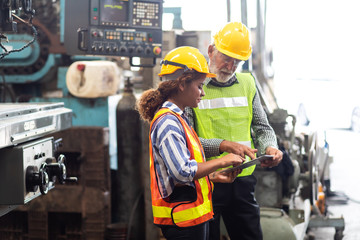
101, 48
93, 48
131, 49
37, 178
139, 49
123, 49
148, 50
32, 179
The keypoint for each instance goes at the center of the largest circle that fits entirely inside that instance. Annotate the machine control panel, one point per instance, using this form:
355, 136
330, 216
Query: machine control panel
29, 170
129, 28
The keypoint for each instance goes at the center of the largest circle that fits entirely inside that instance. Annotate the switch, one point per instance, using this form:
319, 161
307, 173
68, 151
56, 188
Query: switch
157, 50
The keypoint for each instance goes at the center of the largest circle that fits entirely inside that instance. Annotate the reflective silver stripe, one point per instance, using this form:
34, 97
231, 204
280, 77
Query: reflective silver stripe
223, 102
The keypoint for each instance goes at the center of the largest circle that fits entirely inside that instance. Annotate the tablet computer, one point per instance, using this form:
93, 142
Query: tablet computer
249, 163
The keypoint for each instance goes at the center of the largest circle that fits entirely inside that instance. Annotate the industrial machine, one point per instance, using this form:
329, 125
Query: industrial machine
41, 41
28, 164
28, 167
115, 28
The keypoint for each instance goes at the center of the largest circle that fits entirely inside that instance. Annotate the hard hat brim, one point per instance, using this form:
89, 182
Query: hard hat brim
211, 75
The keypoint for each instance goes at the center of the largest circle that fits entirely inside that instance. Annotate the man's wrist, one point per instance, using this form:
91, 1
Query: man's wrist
222, 146
211, 146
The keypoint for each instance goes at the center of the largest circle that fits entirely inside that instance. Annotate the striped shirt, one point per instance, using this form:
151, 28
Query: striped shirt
172, 161
263, 134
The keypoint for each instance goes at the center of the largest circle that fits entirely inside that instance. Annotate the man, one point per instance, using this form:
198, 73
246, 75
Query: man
231, 110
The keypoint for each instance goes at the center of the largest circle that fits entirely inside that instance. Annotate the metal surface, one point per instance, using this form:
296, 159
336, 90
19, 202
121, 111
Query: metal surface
22, 122
4, 209
276, 224
70, 211
318, 221
15, 161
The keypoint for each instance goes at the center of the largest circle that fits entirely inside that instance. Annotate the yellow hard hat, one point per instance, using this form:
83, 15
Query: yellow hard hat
233, 40
187, 58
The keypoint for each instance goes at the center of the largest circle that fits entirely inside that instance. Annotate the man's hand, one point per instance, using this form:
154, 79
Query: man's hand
276, 159
237, 148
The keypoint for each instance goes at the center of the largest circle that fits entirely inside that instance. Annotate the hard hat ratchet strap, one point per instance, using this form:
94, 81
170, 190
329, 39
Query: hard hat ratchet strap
166, 62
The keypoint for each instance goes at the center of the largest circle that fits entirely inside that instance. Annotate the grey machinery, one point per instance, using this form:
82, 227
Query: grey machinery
28, 167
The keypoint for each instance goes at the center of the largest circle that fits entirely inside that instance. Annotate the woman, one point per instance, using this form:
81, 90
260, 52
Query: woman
181, 187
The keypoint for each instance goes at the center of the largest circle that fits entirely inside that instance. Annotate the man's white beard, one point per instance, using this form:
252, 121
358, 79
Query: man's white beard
221, 76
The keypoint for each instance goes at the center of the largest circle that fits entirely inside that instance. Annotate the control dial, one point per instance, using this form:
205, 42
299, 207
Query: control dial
123, 49
147, 50
37, 179
139, 49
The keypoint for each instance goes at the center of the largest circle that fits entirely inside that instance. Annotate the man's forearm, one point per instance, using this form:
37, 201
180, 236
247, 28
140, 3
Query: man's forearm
211, 146
263, 132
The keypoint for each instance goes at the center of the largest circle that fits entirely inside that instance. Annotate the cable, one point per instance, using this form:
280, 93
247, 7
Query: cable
35, 33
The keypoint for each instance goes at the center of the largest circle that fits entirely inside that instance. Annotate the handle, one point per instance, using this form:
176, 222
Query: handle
43, 179
58, 170
81, 39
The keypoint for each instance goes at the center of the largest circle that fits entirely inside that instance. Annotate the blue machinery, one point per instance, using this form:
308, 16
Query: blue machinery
97, 27
37, 74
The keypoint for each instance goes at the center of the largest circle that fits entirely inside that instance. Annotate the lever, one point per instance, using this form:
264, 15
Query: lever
58, 170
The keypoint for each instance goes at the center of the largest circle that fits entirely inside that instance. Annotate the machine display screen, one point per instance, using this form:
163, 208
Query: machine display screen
114, 11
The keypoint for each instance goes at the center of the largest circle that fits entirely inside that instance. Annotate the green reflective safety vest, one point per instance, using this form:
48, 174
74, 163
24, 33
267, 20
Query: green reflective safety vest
226, 113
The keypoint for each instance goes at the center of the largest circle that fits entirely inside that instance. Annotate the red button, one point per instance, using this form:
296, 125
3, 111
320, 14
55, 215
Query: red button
81, 67
157, 50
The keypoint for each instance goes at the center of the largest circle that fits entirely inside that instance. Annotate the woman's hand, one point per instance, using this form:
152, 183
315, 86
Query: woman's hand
208, 167
228, 160
220, 177
231, 160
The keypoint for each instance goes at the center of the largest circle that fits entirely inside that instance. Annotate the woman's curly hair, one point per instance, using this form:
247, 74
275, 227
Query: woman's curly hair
152, 99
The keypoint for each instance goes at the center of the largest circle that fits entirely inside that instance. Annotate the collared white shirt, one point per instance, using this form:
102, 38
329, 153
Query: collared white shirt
171, 156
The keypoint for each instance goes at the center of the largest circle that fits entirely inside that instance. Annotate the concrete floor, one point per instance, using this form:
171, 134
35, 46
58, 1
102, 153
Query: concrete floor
345, 177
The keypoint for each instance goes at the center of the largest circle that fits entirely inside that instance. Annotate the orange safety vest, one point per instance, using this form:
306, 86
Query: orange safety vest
189, 213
